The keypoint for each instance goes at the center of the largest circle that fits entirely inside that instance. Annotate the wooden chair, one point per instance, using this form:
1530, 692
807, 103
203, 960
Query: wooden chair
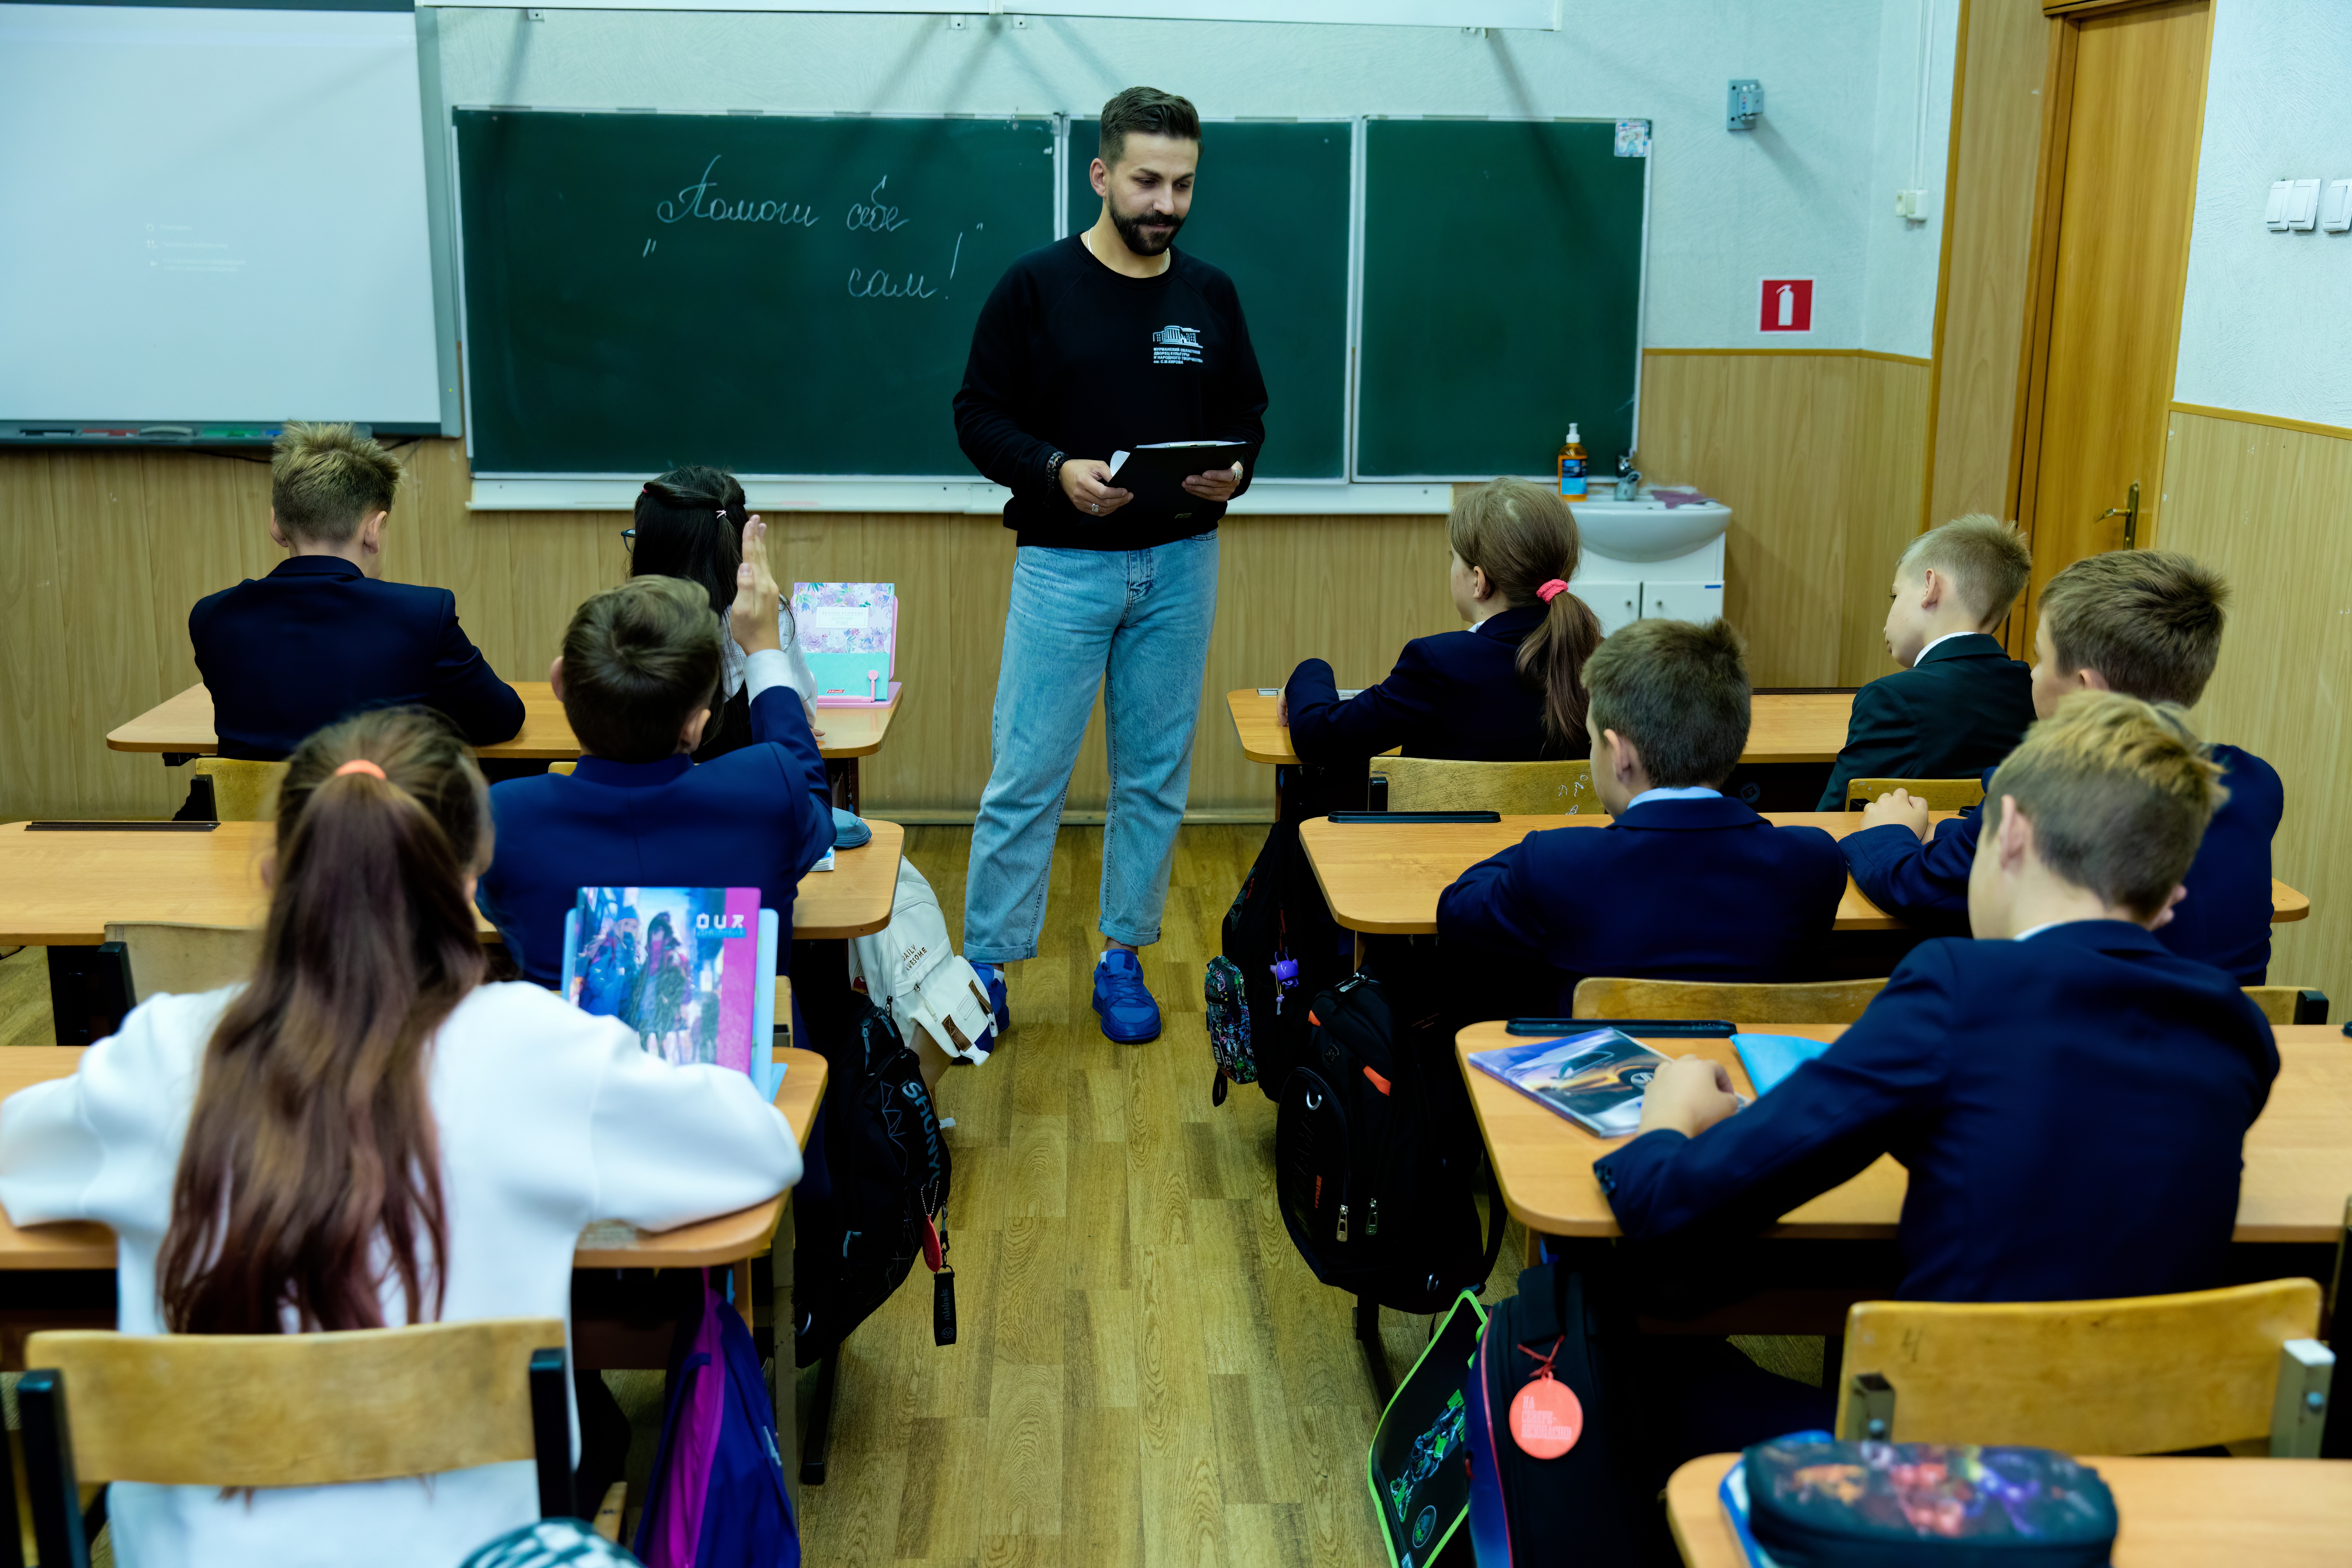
242, 792
161, 959
565, 766
1814, 1002
1515, 789
287, 1410
1941, 795
2289, 1003
2145, 1375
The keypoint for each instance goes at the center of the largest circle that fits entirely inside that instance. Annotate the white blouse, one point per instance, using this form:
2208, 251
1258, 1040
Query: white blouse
548, 1118
801, 678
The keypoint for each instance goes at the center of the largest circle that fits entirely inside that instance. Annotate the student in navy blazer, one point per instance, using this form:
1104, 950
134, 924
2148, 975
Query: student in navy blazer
640, 665
323, 635
2069, 1097
1959, 702
1685, 884
1509, 688
2146, 623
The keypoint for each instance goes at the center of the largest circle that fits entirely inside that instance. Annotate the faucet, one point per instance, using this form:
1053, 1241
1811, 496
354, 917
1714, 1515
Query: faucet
1629, 477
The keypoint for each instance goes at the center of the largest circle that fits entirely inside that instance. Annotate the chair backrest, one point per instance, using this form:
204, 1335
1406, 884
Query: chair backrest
288, 1410
1515, 789
1814, 1002
1941, 795
2289, 1003
167, 960
565, 766
2143, 1375
242, 791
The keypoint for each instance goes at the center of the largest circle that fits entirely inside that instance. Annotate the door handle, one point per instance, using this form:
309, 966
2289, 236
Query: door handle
2129, 513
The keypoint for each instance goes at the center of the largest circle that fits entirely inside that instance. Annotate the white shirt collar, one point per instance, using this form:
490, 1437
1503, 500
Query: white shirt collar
1938, 643
1698, 792
2031, 932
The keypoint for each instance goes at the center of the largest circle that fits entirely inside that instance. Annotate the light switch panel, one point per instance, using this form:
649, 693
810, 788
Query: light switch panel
2274, 209
2302, 205
2336, 206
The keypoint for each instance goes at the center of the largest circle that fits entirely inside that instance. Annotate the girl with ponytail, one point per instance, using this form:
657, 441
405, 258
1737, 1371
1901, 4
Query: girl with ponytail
1508, 689
363, 1134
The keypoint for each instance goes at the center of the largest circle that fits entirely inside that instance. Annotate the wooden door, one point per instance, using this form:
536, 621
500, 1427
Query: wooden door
2118, 189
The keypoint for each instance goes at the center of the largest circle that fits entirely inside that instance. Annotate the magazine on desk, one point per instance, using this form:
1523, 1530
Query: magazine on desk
691, 970
1596, 1080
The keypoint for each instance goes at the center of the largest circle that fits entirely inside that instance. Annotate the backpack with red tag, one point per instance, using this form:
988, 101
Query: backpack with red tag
1547, 1483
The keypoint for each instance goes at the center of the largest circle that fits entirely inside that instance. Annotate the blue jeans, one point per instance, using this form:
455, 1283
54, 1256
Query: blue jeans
1139, 620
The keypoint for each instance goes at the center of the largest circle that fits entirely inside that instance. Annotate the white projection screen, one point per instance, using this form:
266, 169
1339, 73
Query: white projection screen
212, 215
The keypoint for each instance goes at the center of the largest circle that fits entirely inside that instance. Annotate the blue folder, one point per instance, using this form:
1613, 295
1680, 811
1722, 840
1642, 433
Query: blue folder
1769, 1059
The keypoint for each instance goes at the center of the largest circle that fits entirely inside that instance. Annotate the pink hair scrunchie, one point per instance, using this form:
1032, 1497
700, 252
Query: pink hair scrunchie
359, 765
1551, 590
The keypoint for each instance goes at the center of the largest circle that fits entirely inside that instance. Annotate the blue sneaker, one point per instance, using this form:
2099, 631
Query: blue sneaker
1129, 1015
992, 980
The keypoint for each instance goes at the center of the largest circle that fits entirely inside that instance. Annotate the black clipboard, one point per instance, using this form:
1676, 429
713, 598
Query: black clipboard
1155, 474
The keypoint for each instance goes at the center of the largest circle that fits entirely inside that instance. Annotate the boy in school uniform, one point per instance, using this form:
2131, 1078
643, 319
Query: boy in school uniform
1685, 884
2146, 623
639, 668
1959, 702
2069, 1096
323, 635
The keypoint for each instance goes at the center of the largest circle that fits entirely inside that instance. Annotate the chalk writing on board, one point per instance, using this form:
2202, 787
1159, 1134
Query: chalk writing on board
880, 285
695, 201
874, 213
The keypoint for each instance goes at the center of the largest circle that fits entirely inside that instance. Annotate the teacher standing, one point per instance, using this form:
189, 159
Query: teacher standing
1101, 342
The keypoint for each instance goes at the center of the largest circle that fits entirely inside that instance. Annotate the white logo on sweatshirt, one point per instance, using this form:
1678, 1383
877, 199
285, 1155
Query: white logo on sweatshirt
1176, 345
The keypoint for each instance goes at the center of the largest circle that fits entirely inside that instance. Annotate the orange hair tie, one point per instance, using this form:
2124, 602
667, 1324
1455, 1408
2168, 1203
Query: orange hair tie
359, 765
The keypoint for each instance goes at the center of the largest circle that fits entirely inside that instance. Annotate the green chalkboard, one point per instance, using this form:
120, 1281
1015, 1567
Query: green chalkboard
780, 294
1501, 299
1270, 209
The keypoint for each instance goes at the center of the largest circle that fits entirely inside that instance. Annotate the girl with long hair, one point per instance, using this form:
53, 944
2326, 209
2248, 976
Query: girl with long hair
1508, 689
689, 525
363, 1133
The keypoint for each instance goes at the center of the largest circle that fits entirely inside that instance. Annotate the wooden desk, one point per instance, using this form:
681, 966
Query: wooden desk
59, 889
605, 1245
182, 727
2298, 1155
1793, 727
1384, 878
2173, 1513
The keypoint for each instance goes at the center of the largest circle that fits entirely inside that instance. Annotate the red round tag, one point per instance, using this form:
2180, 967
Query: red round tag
1547, 1418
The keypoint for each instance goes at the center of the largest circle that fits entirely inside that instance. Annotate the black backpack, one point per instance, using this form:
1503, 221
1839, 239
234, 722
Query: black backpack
1525, 1509
1281, 947
1376, 1157
860, 1225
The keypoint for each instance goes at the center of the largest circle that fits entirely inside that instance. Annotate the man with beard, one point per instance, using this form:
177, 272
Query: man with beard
1101, 342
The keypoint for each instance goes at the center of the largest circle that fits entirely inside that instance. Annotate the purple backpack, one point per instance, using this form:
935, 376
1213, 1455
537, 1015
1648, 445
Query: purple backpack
717, 1499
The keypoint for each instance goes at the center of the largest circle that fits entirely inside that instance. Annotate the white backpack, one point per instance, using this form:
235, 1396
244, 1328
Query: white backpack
912, 972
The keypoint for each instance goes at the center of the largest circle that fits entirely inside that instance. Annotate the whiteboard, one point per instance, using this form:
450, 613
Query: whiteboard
214, 214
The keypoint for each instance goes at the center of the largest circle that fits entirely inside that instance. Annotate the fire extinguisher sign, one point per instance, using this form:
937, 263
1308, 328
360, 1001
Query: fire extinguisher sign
1788, 305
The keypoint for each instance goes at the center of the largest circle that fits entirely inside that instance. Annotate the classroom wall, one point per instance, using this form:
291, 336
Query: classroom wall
1796, 197
2261, 350
1918, 45
2262, 320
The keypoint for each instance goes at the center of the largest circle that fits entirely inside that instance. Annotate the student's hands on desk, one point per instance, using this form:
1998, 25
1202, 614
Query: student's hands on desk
1688, 1094
1897, 805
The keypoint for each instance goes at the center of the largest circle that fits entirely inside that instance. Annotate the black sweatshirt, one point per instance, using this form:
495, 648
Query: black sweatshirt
1069, 356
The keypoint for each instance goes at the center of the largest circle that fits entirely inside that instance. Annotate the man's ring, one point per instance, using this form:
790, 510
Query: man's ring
1094, 507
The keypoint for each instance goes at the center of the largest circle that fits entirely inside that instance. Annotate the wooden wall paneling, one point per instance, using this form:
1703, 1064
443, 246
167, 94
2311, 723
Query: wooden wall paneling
2265, 506
1885, 476
1989, 207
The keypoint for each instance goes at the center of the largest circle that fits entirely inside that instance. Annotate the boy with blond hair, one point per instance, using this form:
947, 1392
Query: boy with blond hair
323, 635
2146, 623
1959, 702
2068, 1095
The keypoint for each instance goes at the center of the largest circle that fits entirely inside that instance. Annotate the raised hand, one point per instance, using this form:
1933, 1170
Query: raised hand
752, 616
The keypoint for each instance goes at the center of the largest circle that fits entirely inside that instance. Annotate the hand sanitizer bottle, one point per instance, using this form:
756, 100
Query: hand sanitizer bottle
1572, 466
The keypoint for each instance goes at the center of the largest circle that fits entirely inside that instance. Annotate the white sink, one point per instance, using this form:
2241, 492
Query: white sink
1647, 529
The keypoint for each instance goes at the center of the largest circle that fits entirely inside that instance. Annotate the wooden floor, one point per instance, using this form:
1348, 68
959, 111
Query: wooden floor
1146, 1372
